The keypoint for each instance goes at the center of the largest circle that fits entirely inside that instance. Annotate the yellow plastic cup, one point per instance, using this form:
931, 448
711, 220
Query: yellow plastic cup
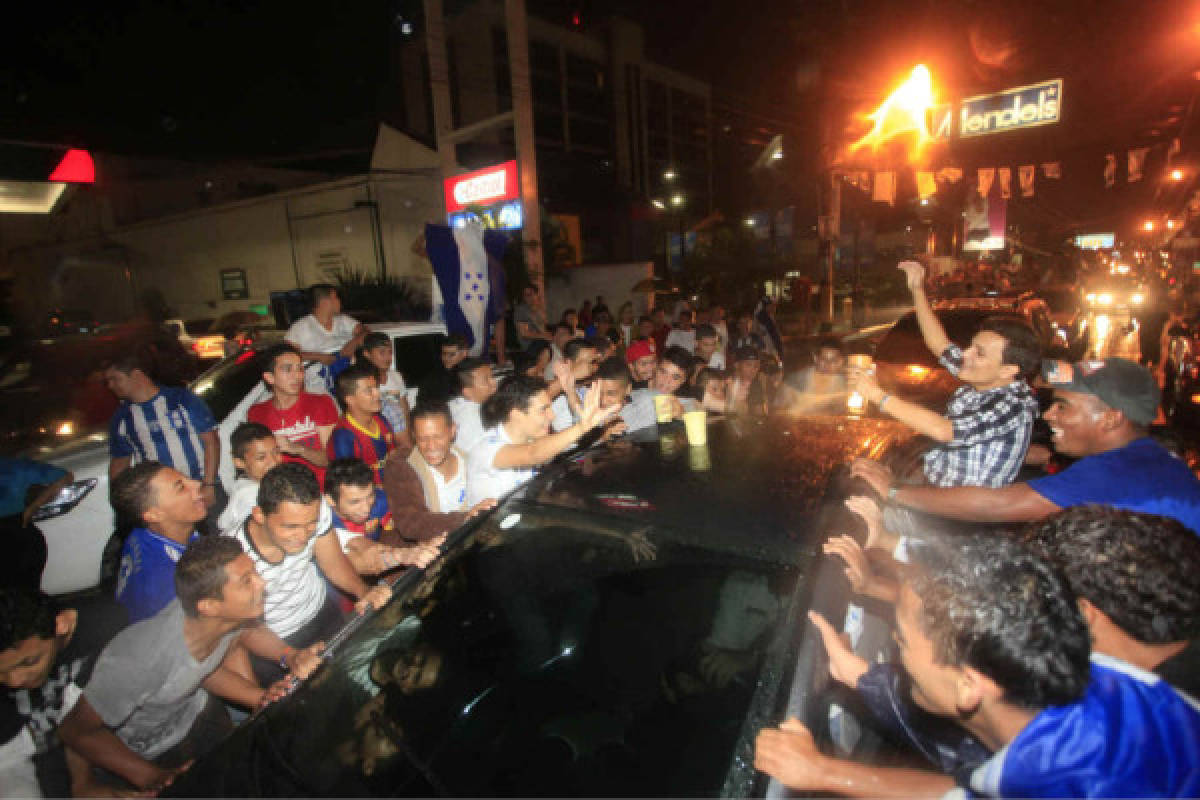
696, 425
662, 407
698, 459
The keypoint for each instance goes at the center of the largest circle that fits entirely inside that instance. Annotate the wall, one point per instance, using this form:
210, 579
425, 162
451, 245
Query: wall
613, 281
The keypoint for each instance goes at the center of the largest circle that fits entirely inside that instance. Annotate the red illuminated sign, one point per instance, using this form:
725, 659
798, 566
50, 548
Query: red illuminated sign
483, 187
75, 167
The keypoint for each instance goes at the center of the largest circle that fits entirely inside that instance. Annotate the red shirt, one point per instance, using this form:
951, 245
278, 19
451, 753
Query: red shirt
298, 424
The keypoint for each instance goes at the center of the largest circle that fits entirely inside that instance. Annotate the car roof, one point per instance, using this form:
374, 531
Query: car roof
757, 482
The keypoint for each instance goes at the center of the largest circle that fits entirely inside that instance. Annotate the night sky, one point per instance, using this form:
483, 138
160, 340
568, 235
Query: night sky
206, 78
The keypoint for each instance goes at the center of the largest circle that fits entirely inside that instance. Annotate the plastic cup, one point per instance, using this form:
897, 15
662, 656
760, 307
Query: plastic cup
662, 407
696, 425
698, 459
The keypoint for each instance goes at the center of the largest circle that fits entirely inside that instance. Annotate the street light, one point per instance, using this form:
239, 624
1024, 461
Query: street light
1176, 174
659, 204
669, 175
1148, 226
1170, 224
677, 200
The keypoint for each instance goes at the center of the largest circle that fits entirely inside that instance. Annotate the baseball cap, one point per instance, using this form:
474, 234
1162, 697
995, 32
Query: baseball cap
639, 349
1120, 383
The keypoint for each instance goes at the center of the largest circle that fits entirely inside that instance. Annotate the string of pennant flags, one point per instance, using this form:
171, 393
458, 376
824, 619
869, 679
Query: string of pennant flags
881, 185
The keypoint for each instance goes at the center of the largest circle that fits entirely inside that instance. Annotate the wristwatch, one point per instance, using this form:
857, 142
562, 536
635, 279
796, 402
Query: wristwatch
891, 493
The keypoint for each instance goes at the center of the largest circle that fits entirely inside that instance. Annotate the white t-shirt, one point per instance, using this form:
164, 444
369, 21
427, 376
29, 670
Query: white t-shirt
485, 481
682, 338
470, 424
245, 498
393, 391
452, 492
717, 360
308, 335
295, 588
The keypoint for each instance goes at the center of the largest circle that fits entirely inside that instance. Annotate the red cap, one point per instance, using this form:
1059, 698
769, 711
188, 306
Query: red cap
639, 349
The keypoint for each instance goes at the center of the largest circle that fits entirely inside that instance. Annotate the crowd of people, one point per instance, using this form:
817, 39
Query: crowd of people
222, 602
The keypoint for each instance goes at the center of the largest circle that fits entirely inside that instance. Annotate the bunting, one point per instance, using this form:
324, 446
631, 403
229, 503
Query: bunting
926, 185
1026, 174
986, 175
1137, 161
885, 188
949, 174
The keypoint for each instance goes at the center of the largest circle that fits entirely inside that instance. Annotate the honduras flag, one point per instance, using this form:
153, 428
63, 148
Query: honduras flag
467, 263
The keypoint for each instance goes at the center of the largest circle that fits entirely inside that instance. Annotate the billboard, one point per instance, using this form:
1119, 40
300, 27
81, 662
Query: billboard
483, 187
1095, 241
1012, 109
491, 195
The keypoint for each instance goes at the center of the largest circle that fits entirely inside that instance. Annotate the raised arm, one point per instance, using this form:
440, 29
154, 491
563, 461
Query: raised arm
931, 330
532, 454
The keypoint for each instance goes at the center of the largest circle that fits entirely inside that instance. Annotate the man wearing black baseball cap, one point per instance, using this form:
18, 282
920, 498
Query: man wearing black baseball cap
1100, 415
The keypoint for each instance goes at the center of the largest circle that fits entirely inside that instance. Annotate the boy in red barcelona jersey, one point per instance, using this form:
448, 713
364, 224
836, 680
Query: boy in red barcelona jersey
362, 432
301, 421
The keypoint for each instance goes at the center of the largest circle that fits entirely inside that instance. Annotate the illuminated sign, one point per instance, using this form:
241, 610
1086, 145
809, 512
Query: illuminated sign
1023, 107
483, 187
504, 217
1095, 241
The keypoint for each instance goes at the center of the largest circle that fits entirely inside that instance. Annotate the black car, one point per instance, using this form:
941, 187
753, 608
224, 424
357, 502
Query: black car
622, 625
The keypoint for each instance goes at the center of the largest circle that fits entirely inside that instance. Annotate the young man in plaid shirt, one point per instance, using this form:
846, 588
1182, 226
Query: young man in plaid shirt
983, 436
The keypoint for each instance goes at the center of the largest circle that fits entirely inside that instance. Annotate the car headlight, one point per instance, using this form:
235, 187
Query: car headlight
1104, 299
65, 500
1091, 297
65, 429
1137, 298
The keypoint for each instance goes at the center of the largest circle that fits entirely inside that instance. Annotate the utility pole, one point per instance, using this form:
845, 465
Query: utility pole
835, 235
439, 87
522, 100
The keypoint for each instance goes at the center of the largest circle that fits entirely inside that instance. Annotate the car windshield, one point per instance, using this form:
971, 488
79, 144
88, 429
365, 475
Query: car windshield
550, 653
223, 387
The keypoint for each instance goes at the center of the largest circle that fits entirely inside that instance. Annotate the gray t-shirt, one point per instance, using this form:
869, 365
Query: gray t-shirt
535, 319
146, 685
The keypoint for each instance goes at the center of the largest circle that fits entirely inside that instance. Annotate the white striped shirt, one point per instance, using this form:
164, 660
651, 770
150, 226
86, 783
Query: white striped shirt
295, 589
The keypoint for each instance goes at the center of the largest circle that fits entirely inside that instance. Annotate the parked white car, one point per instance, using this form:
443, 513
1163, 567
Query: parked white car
81, 537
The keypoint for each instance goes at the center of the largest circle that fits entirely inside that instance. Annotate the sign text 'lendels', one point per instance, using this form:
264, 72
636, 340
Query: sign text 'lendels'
483, 187
1023, 107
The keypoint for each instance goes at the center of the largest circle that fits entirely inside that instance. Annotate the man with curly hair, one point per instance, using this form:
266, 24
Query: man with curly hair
1135, 577
992, 638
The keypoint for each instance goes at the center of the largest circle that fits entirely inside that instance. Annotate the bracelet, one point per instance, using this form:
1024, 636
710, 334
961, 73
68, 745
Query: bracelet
283, 665
883, 400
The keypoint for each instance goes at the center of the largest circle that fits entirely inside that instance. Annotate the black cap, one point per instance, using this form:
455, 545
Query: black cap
1122, 384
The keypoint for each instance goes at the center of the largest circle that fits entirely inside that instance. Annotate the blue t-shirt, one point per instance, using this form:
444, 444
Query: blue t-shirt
146, 580
166, 428
1131, 735
16, 476
1141, 476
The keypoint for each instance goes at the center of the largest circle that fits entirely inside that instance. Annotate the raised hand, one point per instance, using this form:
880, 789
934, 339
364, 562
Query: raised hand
874, 473
858, 568
871, 514
914, 273
844, 666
